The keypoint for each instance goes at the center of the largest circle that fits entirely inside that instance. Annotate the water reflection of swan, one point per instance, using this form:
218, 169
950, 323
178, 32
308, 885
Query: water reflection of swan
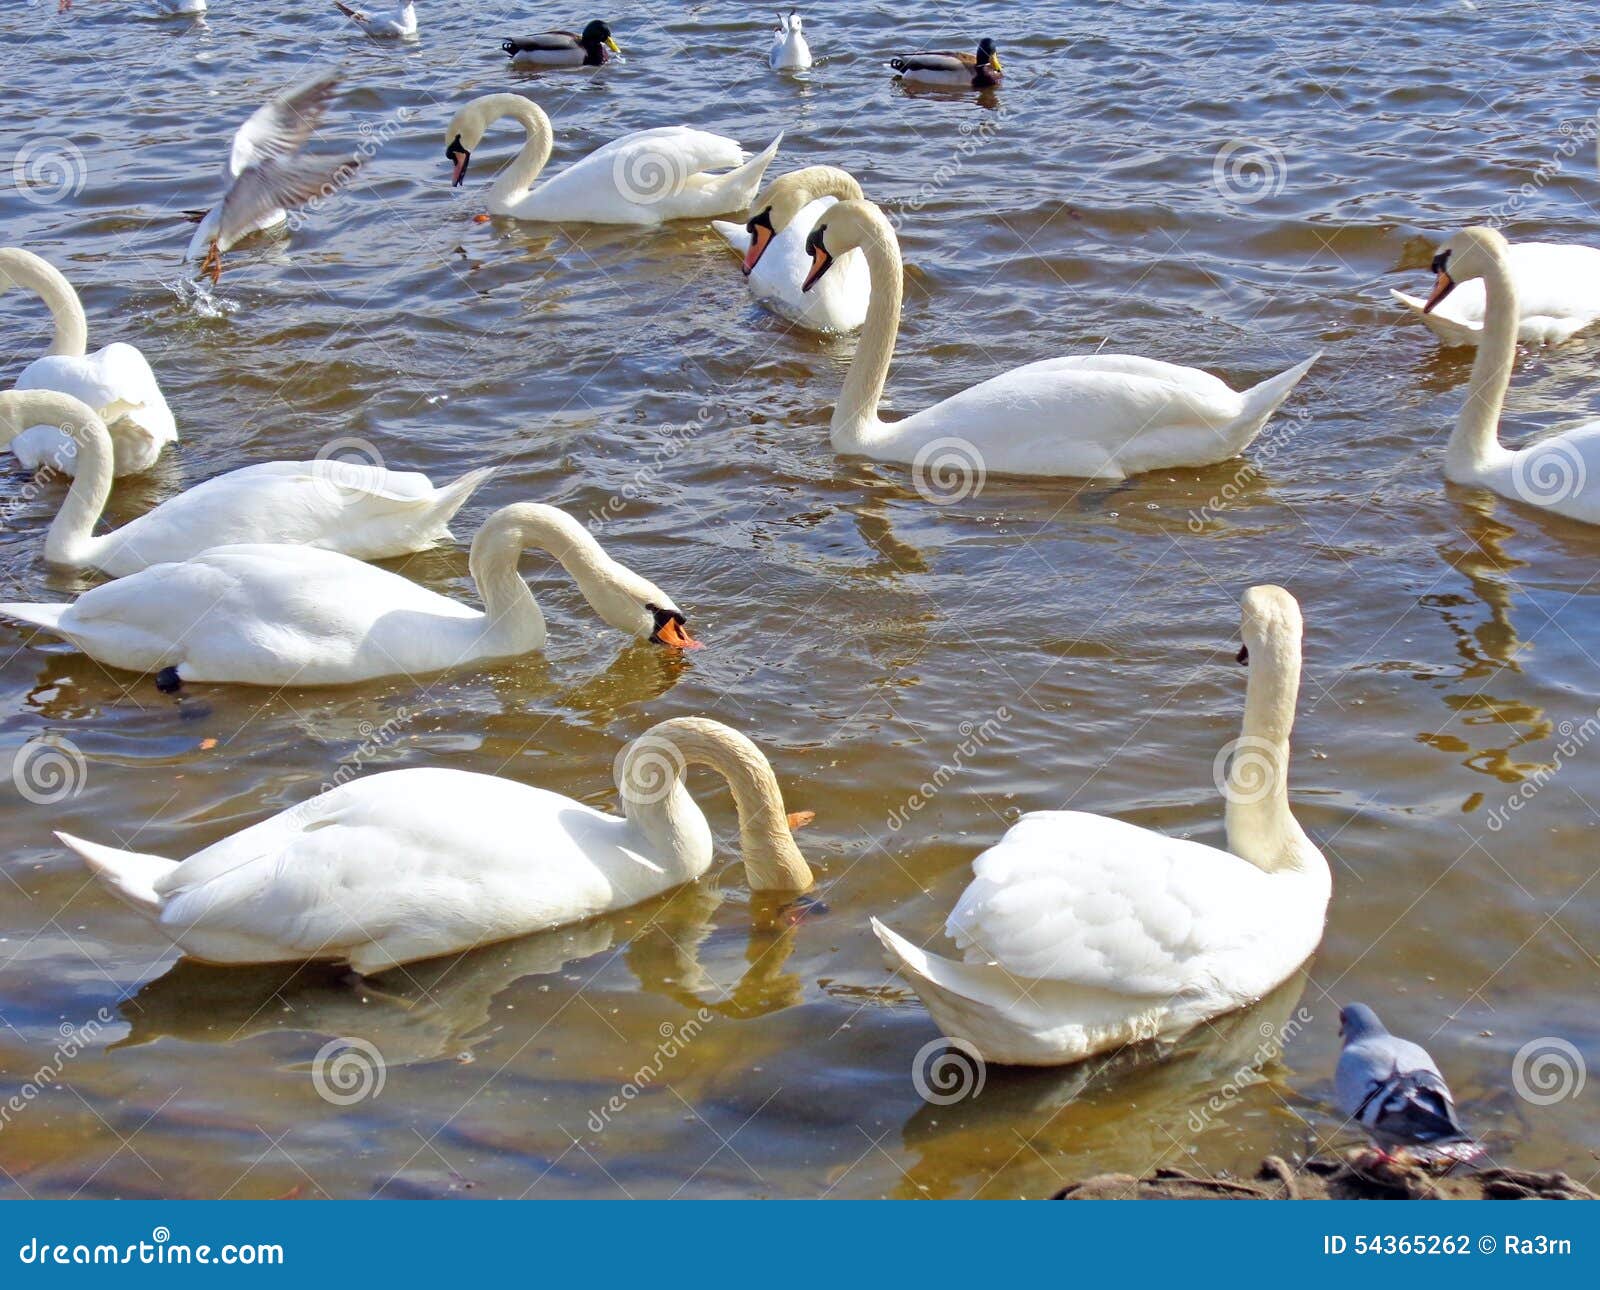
442, 1008
1141, 1106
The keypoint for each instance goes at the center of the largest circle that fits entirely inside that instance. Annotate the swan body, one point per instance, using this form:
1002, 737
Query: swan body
400, 25
275, 614
773, 244
1559, 473
267, 175
116, 381
592, 47
409, 864
332, 505
979, 71
1558, 295
1080, 934
644, 178
1096, 416
789, 52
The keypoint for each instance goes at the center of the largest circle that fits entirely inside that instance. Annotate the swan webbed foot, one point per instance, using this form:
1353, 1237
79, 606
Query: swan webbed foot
168, 681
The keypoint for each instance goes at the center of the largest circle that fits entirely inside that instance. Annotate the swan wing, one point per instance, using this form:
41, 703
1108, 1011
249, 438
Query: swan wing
280, 127
415, 861
1096, 902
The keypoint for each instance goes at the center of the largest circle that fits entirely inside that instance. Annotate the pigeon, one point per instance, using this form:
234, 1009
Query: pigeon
1393, 1089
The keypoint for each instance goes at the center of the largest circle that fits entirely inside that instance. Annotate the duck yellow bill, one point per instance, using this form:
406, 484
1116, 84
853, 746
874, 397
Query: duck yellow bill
994, 61
612, 45
1443, 285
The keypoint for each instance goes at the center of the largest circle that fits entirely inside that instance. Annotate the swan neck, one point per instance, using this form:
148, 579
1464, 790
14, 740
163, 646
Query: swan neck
1475, 442
1261, 827
650, 780
70, 540
855, 419
24, 269
519, 177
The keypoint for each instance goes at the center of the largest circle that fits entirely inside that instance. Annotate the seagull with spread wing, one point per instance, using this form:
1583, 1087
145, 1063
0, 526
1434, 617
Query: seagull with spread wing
267, 174
1393, 1089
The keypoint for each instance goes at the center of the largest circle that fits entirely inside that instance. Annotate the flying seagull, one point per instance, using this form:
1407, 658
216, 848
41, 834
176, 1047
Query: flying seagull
267, 174
1393, 1089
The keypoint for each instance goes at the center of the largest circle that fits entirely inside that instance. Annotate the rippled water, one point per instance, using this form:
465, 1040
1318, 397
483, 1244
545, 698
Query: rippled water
853, 626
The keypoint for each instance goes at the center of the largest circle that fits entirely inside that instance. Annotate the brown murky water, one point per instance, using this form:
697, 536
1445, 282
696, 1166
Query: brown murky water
857, 631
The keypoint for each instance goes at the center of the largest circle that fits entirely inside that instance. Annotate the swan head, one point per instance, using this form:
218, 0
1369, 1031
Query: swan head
596, 34
844, 227
466, 129
1467, 255
1270, 622
775, 208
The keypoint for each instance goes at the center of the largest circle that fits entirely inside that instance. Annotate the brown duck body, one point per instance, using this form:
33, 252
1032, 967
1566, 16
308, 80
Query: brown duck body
591, 48
945, 67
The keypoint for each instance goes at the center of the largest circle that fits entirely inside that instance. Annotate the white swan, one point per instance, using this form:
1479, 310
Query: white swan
115, 381
410, 864
365, 512
789, 51
1559, 473
273, 614
646, 177
266, 173
1558, 295
1099, 416
773, 244
1081, 933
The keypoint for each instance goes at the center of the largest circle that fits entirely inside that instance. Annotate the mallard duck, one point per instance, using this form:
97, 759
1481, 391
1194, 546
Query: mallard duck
592, 47
969, 71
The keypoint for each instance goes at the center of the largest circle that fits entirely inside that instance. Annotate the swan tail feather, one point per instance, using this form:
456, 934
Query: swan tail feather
1259, 402
735, 190
47, 616
453, 496
1008, 1020
129, 875
1446, 329
733, 234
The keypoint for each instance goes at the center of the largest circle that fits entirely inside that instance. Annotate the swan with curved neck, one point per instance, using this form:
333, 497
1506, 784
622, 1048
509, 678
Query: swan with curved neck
1558, 295
328, 504
773, 243
276, 614
1100, 416
644, 178
116, 381
1081, 933
409, 864
1560, 473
